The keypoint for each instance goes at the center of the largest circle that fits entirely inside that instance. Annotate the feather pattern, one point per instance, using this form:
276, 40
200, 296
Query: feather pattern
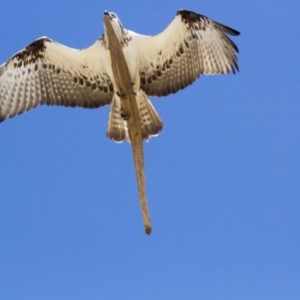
190, 46
46, 72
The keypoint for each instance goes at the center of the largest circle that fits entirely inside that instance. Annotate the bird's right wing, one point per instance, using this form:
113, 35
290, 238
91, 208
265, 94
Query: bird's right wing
46, 72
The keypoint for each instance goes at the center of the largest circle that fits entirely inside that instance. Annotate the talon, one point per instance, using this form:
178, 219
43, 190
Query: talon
125, 116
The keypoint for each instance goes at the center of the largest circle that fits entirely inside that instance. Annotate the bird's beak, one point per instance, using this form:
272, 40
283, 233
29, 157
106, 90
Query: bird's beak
106, 13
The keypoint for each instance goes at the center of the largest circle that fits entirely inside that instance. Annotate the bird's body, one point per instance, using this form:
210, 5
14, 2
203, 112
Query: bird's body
46, 72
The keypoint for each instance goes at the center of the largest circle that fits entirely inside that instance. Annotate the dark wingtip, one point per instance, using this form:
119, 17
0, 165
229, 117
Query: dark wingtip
191, 16
227, 29
188, 15
36, 48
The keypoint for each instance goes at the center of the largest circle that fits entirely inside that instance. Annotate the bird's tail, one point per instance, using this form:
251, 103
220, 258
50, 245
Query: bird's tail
117, 127
151, 123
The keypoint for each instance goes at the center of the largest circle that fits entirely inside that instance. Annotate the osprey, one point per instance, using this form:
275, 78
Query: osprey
46, 72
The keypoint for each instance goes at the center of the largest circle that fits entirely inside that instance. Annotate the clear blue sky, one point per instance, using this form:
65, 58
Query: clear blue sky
223, 178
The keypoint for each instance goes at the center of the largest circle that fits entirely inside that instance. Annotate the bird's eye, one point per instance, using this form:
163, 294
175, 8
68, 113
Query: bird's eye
113, 15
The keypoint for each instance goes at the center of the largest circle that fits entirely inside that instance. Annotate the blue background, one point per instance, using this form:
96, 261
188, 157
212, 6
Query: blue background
223, 178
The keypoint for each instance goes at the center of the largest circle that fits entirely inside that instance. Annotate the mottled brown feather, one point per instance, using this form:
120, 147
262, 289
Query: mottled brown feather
195, 45
31, 77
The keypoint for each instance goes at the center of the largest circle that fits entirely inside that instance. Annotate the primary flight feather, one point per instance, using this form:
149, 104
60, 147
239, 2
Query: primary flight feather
46, 72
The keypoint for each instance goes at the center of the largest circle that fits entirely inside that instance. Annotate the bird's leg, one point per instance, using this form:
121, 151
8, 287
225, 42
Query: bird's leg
120, 94
125, 116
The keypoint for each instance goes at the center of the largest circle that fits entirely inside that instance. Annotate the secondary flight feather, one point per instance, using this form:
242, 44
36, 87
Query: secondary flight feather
46, 72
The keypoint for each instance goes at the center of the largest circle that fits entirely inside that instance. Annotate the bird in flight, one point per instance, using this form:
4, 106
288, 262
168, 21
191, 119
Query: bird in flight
46, 72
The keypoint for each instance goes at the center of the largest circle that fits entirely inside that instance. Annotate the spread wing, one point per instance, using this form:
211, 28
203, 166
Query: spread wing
46, 72
190, 46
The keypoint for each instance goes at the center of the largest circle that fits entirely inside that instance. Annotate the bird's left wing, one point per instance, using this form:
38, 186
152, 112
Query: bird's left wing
46, 72
190, 46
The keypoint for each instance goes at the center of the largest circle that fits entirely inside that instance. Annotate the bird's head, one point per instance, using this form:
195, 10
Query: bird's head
117, 25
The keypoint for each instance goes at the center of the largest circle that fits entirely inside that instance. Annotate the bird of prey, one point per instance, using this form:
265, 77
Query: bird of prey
46, 72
